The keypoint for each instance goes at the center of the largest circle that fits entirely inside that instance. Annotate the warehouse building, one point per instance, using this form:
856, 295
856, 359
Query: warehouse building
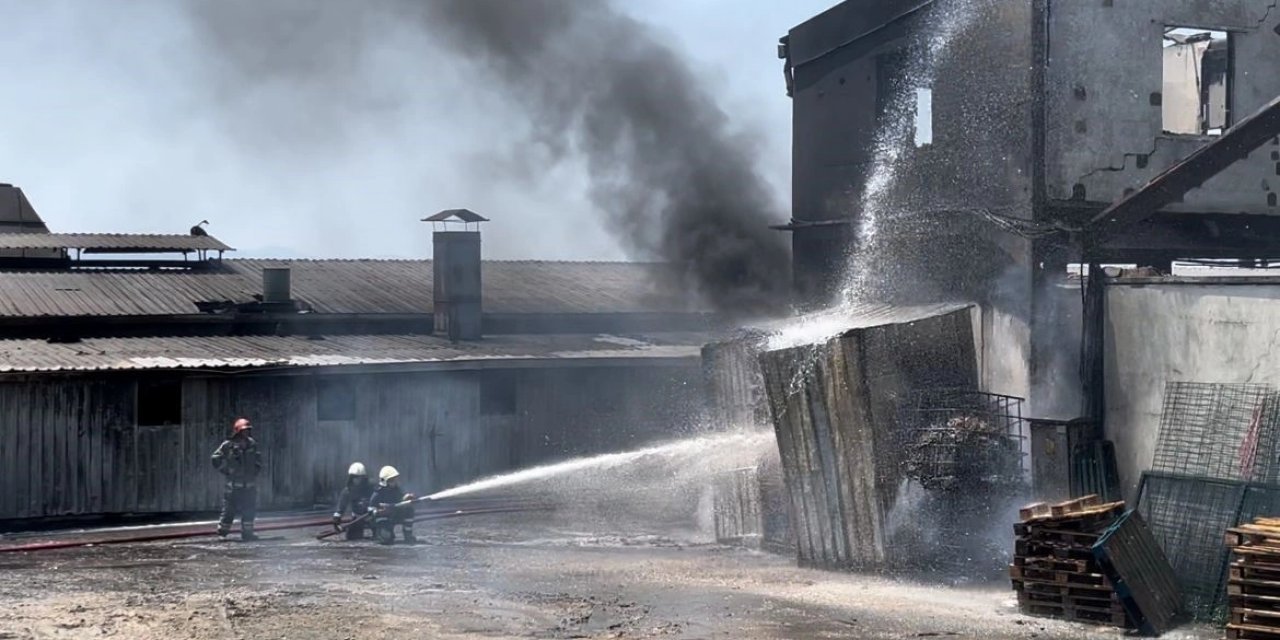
124, 359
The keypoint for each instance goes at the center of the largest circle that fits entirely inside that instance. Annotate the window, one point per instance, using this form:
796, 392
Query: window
898, 90
335, 400
1196, 98
924, 116
497, 393
158, 403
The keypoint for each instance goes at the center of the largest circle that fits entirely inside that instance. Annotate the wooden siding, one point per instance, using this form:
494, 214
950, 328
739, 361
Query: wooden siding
69, 444
836, 409
735, 385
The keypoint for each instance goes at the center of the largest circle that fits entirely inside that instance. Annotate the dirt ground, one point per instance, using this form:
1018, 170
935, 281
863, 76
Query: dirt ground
485, 577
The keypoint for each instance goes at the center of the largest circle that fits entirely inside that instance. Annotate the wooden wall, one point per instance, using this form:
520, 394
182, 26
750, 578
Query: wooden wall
69, 444
735, 386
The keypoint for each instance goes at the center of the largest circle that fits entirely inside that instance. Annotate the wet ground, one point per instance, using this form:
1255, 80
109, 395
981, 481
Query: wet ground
485, 577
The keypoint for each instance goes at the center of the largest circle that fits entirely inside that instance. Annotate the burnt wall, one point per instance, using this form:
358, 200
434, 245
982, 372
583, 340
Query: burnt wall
1105, 82
72, 445
932, 243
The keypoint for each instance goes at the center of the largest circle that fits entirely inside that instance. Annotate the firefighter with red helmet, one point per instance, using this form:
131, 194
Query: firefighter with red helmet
237, 459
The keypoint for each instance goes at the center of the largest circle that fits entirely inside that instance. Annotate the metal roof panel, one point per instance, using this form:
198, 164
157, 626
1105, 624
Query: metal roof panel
255, 352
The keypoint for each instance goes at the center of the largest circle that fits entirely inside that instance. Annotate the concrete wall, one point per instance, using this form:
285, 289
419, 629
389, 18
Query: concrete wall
1104, 105
980, 154
71, 445
1159, 333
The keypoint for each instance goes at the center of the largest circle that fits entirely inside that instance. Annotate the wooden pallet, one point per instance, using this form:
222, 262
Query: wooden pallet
1026, 549
1078, 565
1113, 616
1251, 632
1094, 599
1253, 587
1072, 578
1253, 580
1102, 591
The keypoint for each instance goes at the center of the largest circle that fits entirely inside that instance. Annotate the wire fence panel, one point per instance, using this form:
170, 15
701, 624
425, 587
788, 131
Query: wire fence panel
1222, 431
1189, 517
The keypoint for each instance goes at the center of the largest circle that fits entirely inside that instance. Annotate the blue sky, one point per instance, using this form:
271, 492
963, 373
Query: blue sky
109, 123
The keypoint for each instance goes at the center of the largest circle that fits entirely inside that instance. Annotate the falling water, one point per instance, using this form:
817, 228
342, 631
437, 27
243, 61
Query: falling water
678, 461
894, 137
869, 256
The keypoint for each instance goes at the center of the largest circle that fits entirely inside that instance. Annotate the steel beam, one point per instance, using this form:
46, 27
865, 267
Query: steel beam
1189, 173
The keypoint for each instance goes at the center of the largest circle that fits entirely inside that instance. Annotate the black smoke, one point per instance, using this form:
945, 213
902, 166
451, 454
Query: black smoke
665, 165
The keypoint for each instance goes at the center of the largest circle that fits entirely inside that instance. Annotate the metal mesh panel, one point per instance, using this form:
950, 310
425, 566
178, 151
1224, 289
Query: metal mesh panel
961, 439
1260, 501
1224, 431
1188, 516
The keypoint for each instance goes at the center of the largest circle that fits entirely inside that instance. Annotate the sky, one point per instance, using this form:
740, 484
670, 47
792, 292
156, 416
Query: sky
137, 117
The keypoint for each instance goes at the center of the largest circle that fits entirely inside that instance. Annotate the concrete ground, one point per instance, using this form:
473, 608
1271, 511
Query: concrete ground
485, 577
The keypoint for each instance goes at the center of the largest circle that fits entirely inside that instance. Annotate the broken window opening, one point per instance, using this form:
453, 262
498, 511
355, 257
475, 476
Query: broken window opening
1197, 81
158, 403
924, 116
903, 100
335, 400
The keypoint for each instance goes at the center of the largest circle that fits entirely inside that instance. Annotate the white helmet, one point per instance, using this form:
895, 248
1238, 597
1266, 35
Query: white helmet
388, 474
357, 469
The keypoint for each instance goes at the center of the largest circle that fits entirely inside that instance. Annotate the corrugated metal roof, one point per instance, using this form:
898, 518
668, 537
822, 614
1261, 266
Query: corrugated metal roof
115, 242
343, 286
248, 352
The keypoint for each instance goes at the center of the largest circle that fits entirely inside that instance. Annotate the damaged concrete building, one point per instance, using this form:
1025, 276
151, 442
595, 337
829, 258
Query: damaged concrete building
1019, 123
125, 358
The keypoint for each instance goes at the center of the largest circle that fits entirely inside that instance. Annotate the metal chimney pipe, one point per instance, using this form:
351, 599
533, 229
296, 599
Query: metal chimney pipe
276, 285
456, 284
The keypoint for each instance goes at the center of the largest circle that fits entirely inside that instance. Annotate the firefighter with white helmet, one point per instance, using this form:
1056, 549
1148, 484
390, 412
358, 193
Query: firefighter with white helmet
354, 499
386, 513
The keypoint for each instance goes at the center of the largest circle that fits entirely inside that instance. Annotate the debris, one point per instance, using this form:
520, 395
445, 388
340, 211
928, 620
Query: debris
1054, 571
962, 453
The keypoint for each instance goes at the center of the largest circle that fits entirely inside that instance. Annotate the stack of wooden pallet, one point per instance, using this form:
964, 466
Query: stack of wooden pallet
1054, 571
1253, 580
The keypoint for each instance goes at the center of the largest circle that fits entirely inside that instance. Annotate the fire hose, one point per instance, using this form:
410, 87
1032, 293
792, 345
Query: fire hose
150, 537
177, 535
460, 512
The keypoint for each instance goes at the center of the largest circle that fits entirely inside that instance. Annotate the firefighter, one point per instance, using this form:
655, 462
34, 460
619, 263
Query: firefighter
386, 515
354, 499
238, 459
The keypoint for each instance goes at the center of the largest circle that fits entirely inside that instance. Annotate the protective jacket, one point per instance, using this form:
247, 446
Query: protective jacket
238, 459
354, 498
387, 495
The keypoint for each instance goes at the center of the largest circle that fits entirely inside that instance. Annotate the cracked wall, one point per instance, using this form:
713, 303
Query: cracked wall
1104, 130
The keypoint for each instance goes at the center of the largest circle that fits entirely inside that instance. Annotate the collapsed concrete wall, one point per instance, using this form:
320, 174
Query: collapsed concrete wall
837, 411
1161, 330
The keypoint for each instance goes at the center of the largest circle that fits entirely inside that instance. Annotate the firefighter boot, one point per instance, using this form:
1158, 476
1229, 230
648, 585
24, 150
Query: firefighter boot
407, 530
385, 533
246, 532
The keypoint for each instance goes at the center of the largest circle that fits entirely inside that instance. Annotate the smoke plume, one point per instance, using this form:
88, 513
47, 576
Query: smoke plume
664, 164
666, 169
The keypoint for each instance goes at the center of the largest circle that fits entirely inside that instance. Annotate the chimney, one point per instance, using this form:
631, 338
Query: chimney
275, 285
456, 274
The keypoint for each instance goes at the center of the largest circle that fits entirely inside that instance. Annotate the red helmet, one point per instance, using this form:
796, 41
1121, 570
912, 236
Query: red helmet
241, 424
